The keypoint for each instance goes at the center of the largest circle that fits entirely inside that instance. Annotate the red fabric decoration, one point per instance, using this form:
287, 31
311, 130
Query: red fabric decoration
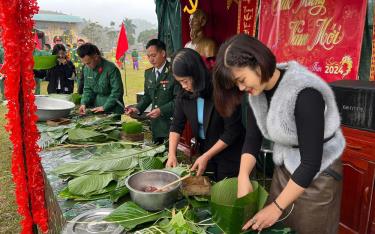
18, 41
100, 70
122, 43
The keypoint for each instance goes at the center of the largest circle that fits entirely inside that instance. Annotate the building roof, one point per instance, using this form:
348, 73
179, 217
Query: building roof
57, 18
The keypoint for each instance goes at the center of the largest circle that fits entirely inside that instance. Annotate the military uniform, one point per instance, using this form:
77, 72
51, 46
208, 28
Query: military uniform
103, 87
160, 93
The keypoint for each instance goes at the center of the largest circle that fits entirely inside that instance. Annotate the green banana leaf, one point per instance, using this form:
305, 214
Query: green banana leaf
96, 166
179, 170
129, 215
44, 62
112, 193
150, 163
87, 184
118, 193
229, 212
79, 135
177, 225
66, 194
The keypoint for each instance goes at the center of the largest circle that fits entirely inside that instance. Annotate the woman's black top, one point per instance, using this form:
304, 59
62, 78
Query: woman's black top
309, 116
61, 73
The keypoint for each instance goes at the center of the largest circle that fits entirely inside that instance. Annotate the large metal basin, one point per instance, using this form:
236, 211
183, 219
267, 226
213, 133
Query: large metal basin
153, 201
52, 108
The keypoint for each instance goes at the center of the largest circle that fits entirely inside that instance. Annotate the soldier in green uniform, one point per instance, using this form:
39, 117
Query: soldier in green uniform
103, 88
159, 91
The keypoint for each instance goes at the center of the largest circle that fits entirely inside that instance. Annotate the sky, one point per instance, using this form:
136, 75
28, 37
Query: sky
103, 11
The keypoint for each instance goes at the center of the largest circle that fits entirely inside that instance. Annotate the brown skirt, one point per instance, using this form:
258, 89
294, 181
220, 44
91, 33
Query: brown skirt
317, 210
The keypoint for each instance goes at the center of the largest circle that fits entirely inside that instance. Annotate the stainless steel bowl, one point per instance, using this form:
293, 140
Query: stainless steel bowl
52, 108
153, 201
91, 222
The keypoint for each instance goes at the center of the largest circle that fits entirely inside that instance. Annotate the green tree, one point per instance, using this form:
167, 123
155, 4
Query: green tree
130, 30
147, 35
94, 32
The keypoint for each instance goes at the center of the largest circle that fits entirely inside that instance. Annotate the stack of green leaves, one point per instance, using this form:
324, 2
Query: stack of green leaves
132, 127
103, 175
76, 98
89, 130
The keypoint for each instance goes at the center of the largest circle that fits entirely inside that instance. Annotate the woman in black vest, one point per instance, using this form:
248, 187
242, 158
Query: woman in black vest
219, 139
295, 109
60, 77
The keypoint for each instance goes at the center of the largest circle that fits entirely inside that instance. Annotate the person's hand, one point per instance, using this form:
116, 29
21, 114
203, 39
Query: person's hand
171, 162
244, 185
130, 110
265, 218
98, 109
154, 113
62, 61
200, 165
82, 110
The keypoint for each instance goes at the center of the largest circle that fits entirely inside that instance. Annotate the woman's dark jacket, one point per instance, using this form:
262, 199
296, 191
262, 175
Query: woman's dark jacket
230, 130
62, 73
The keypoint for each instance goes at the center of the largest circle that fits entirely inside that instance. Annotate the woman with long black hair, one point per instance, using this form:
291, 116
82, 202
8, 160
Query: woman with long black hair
219, 139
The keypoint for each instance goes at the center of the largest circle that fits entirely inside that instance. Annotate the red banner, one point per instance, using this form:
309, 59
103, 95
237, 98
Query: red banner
247, 12
324, 35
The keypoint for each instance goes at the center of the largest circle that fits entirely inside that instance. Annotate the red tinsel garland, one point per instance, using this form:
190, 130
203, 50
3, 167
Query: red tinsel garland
17, 24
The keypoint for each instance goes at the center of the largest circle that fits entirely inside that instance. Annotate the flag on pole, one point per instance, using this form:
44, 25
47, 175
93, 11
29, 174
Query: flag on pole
122, 44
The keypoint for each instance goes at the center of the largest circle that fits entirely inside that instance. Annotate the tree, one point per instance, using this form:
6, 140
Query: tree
147, 35
130, 30
94, 32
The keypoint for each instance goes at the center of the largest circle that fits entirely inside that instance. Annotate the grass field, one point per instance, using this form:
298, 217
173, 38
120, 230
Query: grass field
9, 219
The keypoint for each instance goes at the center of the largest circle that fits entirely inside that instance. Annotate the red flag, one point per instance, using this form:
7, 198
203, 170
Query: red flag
122, 43
38, 45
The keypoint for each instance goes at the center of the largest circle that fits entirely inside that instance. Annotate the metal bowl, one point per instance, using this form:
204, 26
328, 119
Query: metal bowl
91, 222
52, 108
153, 201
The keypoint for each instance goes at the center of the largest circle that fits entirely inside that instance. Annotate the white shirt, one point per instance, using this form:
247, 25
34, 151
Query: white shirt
156, 70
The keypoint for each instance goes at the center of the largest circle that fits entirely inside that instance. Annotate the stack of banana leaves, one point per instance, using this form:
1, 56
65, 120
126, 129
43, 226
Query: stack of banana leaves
103, 174
88, 130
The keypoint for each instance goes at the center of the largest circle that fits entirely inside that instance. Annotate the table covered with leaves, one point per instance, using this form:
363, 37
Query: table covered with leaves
86, 165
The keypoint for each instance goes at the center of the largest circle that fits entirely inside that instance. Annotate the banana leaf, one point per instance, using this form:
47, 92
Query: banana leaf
130, 215
118, 193
96, 166
80, 135
66, 194
177, 225
150, 163
87, 184
229, 212
179, 170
